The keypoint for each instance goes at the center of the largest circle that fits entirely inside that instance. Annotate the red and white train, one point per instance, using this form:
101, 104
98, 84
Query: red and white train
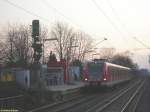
105, 73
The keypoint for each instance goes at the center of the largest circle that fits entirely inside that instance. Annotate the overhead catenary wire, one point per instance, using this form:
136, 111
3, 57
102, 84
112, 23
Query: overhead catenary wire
124, 26
47, 4
117, 17
147, 47
25, 10
45, 19
141, 43
40, 17
108, 18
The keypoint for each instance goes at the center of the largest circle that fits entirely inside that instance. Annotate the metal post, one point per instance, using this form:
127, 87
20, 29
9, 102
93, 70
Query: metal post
11, 45
44, 40
43, 52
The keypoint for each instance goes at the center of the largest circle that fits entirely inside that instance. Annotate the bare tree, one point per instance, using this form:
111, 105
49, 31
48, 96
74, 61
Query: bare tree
84, 43
19, 46
17, 50
2, 52
44, 34
71, 44
65, 39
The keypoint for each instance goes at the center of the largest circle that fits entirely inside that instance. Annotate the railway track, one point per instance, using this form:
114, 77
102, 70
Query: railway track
84, 103
131, 105
121, 102
12, 103
95, 103
65, 104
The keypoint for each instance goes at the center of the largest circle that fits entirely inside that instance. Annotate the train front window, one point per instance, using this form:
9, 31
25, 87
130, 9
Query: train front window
95, 69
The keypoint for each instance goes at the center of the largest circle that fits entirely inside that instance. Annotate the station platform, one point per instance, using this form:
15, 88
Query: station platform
68, 91
66, 87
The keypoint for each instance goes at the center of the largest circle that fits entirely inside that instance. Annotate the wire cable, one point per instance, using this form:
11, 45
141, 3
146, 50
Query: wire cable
124, 26
117, 17
141, 43
25, 10
112, 23
47, 4
107, 17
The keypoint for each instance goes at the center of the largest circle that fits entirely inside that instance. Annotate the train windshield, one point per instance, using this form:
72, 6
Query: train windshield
95, 70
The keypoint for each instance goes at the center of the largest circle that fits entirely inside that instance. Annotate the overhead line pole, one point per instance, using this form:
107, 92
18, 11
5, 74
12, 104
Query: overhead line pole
100, 41
44, 40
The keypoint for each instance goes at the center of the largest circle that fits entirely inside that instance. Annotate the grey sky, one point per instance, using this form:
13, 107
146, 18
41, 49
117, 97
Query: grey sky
118, 20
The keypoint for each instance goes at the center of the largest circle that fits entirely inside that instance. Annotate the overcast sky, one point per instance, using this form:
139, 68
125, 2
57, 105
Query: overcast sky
123, 22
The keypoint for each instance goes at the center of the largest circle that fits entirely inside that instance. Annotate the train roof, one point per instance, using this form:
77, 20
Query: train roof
103, 61
115, 65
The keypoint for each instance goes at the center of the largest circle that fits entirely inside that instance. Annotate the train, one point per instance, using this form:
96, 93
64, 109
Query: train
105, 73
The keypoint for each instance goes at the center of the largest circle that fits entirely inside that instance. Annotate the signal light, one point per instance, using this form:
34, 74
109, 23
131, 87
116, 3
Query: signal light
35, 28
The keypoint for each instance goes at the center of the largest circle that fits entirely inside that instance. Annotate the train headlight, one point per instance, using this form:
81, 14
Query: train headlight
85, 79
105, 79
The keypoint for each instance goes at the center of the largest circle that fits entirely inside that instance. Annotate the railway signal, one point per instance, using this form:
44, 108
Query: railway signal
37, 45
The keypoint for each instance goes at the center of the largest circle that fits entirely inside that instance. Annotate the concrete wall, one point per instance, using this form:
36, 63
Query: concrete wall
23, 78
74, 74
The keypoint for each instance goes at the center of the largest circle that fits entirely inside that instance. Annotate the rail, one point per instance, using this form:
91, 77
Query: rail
106, 106
15, 103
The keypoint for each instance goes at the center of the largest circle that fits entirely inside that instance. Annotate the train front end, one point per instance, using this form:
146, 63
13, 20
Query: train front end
93, 73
